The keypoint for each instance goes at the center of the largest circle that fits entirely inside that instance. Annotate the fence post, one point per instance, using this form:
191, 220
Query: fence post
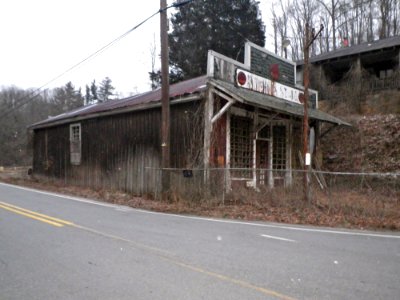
330, 192
224, 188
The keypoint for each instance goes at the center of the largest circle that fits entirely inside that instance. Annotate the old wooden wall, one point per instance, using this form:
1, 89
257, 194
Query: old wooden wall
121, 152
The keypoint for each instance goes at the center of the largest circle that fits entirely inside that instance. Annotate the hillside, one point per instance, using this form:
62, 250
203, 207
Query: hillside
371, 145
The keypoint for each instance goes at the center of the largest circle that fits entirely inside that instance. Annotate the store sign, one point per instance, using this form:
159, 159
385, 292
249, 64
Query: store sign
266, 86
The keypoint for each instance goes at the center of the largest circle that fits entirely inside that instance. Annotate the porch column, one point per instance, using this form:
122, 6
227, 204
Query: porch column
289, 145
228, 152
270, 158
255, 124
208, 114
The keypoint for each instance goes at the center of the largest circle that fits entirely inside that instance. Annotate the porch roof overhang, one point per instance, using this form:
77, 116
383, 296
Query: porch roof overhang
272, 103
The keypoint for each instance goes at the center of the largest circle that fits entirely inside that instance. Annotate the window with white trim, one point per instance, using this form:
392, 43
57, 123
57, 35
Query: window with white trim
75, 139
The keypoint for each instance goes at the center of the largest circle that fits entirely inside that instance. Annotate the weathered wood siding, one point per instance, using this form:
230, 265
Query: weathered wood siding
120, 152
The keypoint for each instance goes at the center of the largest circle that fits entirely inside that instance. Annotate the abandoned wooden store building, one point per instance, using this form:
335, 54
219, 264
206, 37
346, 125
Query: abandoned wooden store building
240, 115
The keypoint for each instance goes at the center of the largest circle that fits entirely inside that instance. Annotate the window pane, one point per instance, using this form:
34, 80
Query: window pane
279, 148
241, 146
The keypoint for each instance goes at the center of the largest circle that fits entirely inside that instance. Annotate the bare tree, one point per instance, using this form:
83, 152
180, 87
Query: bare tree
346, 22
331, 8
275, 27
15, 119
370, 21
301, 12
154, 74
388, 17
280, 25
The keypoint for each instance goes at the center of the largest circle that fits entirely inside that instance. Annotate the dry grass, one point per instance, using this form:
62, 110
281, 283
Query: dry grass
342, 207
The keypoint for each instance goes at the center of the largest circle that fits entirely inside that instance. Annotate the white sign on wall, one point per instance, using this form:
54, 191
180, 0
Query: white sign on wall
266, 86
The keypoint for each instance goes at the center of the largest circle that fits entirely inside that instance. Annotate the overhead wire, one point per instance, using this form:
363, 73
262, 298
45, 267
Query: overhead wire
36, 92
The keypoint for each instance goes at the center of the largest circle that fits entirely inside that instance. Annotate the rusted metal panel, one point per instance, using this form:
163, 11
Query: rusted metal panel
218, 143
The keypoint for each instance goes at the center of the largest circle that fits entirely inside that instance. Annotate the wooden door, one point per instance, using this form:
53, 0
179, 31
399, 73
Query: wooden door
262, 162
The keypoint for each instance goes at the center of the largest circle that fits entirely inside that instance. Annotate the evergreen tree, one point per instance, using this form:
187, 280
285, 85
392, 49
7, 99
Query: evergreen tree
93, 91
88, 95
222, 26
156, 78
67, 98
105, 90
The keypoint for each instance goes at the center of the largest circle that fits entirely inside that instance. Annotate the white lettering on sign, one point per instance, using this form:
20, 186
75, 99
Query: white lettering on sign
266, 86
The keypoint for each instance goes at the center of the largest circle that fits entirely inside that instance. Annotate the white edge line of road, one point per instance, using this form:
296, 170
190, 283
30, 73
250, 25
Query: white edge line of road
61, 196
287, 227
277, 238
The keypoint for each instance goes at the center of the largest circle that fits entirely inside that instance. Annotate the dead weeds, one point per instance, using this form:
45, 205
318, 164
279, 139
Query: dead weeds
339, 209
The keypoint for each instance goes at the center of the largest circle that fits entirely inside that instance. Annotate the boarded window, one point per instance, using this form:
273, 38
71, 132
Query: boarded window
75, 143
241, 146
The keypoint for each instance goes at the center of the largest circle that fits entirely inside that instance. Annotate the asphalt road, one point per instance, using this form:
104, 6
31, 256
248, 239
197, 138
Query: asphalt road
57, 247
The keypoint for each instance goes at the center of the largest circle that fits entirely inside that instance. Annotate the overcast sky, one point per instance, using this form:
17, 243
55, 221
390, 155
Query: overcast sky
43, 38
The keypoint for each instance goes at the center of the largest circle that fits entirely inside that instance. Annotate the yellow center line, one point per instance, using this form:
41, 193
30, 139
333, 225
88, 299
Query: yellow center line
238, 282
31, 216
156, 251
167, 257
34, 215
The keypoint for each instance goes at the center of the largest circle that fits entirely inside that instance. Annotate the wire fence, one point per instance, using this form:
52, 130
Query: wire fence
338, 198
369, 194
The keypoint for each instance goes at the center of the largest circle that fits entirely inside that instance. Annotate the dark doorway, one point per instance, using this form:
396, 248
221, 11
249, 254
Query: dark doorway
262, 163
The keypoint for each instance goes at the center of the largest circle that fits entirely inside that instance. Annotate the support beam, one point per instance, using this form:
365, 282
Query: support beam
327, 131
222, 111
267, 122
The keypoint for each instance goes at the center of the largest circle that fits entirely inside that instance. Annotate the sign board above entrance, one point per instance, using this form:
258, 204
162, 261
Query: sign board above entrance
277, 78
266, 86
269, 65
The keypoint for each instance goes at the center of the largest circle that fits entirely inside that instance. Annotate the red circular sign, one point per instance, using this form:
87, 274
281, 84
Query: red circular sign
241, 78
301, 98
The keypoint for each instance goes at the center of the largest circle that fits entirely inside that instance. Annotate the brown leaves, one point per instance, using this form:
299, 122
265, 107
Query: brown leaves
372, 145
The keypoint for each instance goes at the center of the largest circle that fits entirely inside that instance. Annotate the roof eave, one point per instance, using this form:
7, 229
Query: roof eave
290, 107
128, 109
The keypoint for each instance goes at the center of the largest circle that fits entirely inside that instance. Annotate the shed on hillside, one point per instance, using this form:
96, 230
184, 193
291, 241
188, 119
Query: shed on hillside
381, 59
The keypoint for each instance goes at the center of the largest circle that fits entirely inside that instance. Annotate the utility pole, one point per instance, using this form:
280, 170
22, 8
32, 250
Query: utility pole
309, 39
165, 114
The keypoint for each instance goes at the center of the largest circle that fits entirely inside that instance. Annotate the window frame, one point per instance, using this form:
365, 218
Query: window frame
75, 142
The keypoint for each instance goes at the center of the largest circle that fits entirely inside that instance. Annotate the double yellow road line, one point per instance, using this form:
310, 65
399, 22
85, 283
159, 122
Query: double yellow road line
34, 215
158, 252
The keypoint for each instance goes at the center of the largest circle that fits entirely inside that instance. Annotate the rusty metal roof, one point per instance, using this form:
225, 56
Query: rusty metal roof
183, 90
176, 91
356, 49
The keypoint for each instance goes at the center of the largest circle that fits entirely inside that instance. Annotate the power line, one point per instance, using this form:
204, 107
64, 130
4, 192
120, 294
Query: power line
35, 93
